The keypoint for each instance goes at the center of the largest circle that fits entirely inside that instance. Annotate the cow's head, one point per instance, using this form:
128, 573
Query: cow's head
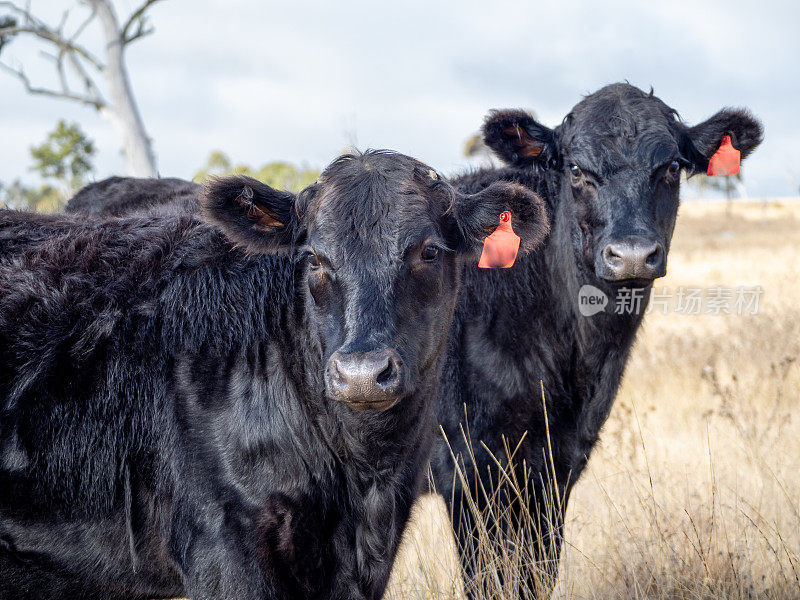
617, 158
377, 241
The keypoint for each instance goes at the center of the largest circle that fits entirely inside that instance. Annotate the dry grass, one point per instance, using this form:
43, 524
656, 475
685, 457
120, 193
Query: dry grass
694, 490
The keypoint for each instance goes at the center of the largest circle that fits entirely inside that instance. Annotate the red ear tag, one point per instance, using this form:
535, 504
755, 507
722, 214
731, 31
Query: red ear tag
725, 160
500, 248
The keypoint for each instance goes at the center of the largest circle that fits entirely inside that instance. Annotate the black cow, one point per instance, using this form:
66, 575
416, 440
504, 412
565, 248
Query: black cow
119, 196
237, 408
610, 177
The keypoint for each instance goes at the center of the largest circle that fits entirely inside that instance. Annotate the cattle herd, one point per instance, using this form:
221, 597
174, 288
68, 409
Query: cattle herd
235, 392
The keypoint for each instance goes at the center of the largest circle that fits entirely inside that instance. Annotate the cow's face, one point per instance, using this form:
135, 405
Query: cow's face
377, 242
618, 156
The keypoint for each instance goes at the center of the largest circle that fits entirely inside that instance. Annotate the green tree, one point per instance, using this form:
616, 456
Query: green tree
18, 196
286, 176
279, 175
726, 185
217, 164
100, 72
474, 147
66, 156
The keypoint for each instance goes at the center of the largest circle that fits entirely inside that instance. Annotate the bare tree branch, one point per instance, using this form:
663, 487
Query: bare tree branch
140, 33
63, 21
67, 49
71, 58
40, 29
58, 60
88, 82
23, 12
83, 25
139, 19
53, 37
20, 74
92, 91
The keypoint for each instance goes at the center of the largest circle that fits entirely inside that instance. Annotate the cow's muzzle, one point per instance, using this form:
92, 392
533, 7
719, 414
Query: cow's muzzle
373, 380
635, 259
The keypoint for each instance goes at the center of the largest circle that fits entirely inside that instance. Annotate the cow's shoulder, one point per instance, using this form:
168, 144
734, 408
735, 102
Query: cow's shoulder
79, 290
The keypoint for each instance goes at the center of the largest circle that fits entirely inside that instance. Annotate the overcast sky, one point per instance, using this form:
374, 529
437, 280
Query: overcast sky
300, 80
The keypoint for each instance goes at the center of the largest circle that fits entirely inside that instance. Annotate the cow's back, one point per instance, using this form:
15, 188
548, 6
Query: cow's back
120, 196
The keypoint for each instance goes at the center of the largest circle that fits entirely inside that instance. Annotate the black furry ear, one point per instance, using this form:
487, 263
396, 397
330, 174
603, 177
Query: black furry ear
704, 139
478, 215
518, 139
250, 213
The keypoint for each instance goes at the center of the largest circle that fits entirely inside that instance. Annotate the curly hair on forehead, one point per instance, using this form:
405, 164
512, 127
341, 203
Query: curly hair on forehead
372, 160
621, 107
373, 168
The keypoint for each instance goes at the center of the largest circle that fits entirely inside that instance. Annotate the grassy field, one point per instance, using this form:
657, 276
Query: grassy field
694, 490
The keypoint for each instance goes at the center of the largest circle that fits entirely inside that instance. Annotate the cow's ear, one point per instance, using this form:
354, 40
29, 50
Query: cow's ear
477, 215
704, 139
518, 139
250, 213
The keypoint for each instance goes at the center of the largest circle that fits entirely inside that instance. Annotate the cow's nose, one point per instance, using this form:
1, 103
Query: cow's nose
365, 380
633, 258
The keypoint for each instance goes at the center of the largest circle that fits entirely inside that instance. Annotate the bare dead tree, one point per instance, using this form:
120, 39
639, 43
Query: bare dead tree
74, 62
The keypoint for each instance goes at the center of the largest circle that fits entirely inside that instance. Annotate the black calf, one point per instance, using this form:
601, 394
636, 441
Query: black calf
610, 176
167, 427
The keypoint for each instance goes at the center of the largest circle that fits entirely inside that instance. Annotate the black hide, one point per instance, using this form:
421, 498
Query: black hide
606, 174
166, 428
608, 178
118, 196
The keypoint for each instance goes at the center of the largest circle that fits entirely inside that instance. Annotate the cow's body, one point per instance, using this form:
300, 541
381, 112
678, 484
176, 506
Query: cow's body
119, 196
180, 416
610, 177
517, 332
148, 406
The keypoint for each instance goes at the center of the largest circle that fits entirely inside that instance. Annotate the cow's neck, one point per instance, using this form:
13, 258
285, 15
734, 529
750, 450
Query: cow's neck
594, 345
599, 344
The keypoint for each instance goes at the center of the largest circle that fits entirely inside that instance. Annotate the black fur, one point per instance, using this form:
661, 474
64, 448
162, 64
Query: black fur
165, 427
518, 327
514, 328
476, 216
118, 196
745, 130
518, 139
245, 209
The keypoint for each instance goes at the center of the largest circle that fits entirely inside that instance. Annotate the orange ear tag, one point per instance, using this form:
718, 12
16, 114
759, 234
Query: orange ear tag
500, 248
725, 160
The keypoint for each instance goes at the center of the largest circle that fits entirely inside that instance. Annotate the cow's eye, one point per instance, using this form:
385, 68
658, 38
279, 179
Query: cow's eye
430, 253
674, 167
313, 261
575, 171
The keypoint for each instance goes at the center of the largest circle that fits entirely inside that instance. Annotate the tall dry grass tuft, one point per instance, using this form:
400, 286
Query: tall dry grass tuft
509, 537
694, 489
507, 542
